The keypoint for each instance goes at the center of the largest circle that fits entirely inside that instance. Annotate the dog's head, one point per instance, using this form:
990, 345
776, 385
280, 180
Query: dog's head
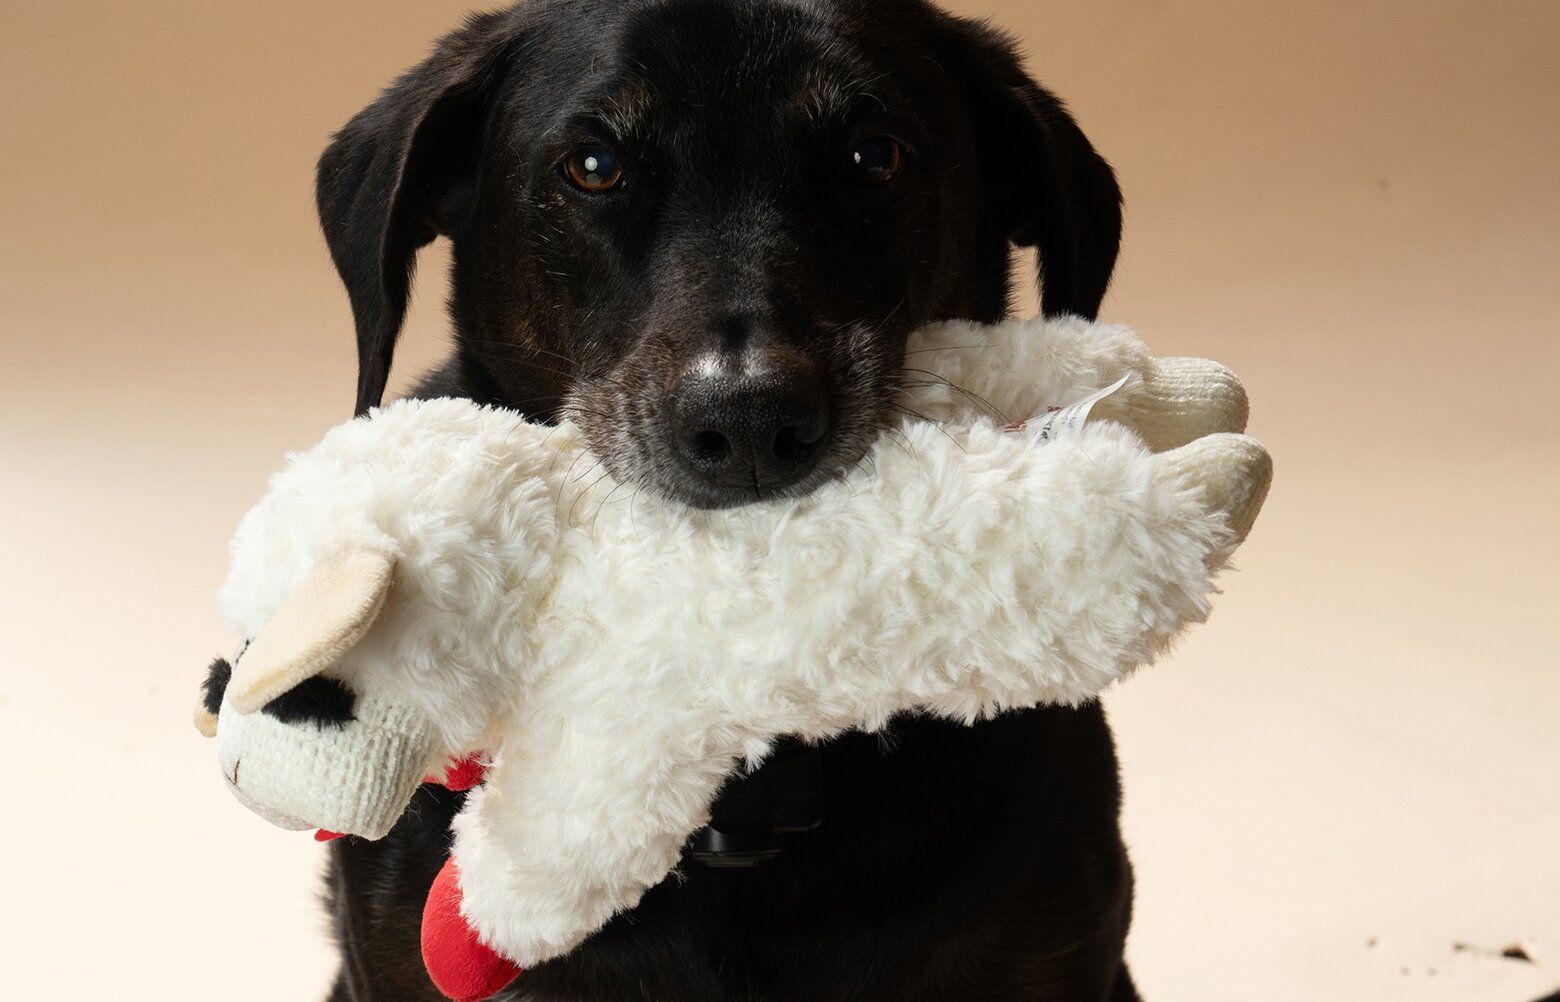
703, 228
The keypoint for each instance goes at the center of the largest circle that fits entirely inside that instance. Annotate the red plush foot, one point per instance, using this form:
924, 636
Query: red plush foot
461, 775
460, 966
465, 774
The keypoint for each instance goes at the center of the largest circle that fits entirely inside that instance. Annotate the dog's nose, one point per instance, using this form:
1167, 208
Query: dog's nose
761, 430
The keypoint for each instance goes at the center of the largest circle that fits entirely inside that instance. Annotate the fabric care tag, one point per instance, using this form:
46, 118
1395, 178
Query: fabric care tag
1059, 421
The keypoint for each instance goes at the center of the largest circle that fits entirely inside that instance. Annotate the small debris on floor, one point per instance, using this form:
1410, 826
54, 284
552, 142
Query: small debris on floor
1515, 951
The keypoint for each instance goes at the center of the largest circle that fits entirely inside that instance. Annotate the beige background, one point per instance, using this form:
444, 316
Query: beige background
1355, 205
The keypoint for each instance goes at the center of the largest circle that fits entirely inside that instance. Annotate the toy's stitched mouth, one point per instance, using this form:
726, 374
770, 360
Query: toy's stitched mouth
235, 770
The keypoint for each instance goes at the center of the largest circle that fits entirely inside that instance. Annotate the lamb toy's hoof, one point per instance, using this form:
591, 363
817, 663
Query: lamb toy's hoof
461, 966
1180, 400
1233, 473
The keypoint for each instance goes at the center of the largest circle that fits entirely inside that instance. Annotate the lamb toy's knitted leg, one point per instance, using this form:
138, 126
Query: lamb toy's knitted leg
1233, 473
957, 367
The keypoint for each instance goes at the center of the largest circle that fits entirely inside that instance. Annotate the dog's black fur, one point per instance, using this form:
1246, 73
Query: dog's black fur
956, 862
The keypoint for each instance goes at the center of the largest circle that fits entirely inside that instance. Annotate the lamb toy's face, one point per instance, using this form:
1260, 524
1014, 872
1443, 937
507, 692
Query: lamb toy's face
372, 662
298, 743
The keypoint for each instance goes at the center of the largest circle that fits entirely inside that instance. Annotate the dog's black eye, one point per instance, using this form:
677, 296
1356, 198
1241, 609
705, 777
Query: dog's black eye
877, 160
592, 168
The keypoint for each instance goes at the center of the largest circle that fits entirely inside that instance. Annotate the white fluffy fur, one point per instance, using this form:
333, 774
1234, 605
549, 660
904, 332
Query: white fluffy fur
620, 655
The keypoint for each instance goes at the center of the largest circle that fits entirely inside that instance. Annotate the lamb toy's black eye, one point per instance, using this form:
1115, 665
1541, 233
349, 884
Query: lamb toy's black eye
324, 701
876, 161
593, 168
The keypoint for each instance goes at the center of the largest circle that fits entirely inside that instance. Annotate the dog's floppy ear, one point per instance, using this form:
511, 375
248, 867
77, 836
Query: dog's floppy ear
399, 174
320, 621
1049, 186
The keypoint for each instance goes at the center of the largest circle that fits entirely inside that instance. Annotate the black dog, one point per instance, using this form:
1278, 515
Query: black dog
702, 230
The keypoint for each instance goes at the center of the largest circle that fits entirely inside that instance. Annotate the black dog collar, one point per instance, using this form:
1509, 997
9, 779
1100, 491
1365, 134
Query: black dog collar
785, 794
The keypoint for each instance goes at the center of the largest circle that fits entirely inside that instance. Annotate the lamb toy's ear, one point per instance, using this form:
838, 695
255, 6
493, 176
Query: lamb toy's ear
205, 722
329, 612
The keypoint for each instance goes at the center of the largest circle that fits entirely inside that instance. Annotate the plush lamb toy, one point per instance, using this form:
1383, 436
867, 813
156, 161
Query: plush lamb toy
439, 579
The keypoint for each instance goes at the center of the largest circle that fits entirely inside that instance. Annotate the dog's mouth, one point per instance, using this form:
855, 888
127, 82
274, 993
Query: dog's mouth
760, 454
640, 459
691, 489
